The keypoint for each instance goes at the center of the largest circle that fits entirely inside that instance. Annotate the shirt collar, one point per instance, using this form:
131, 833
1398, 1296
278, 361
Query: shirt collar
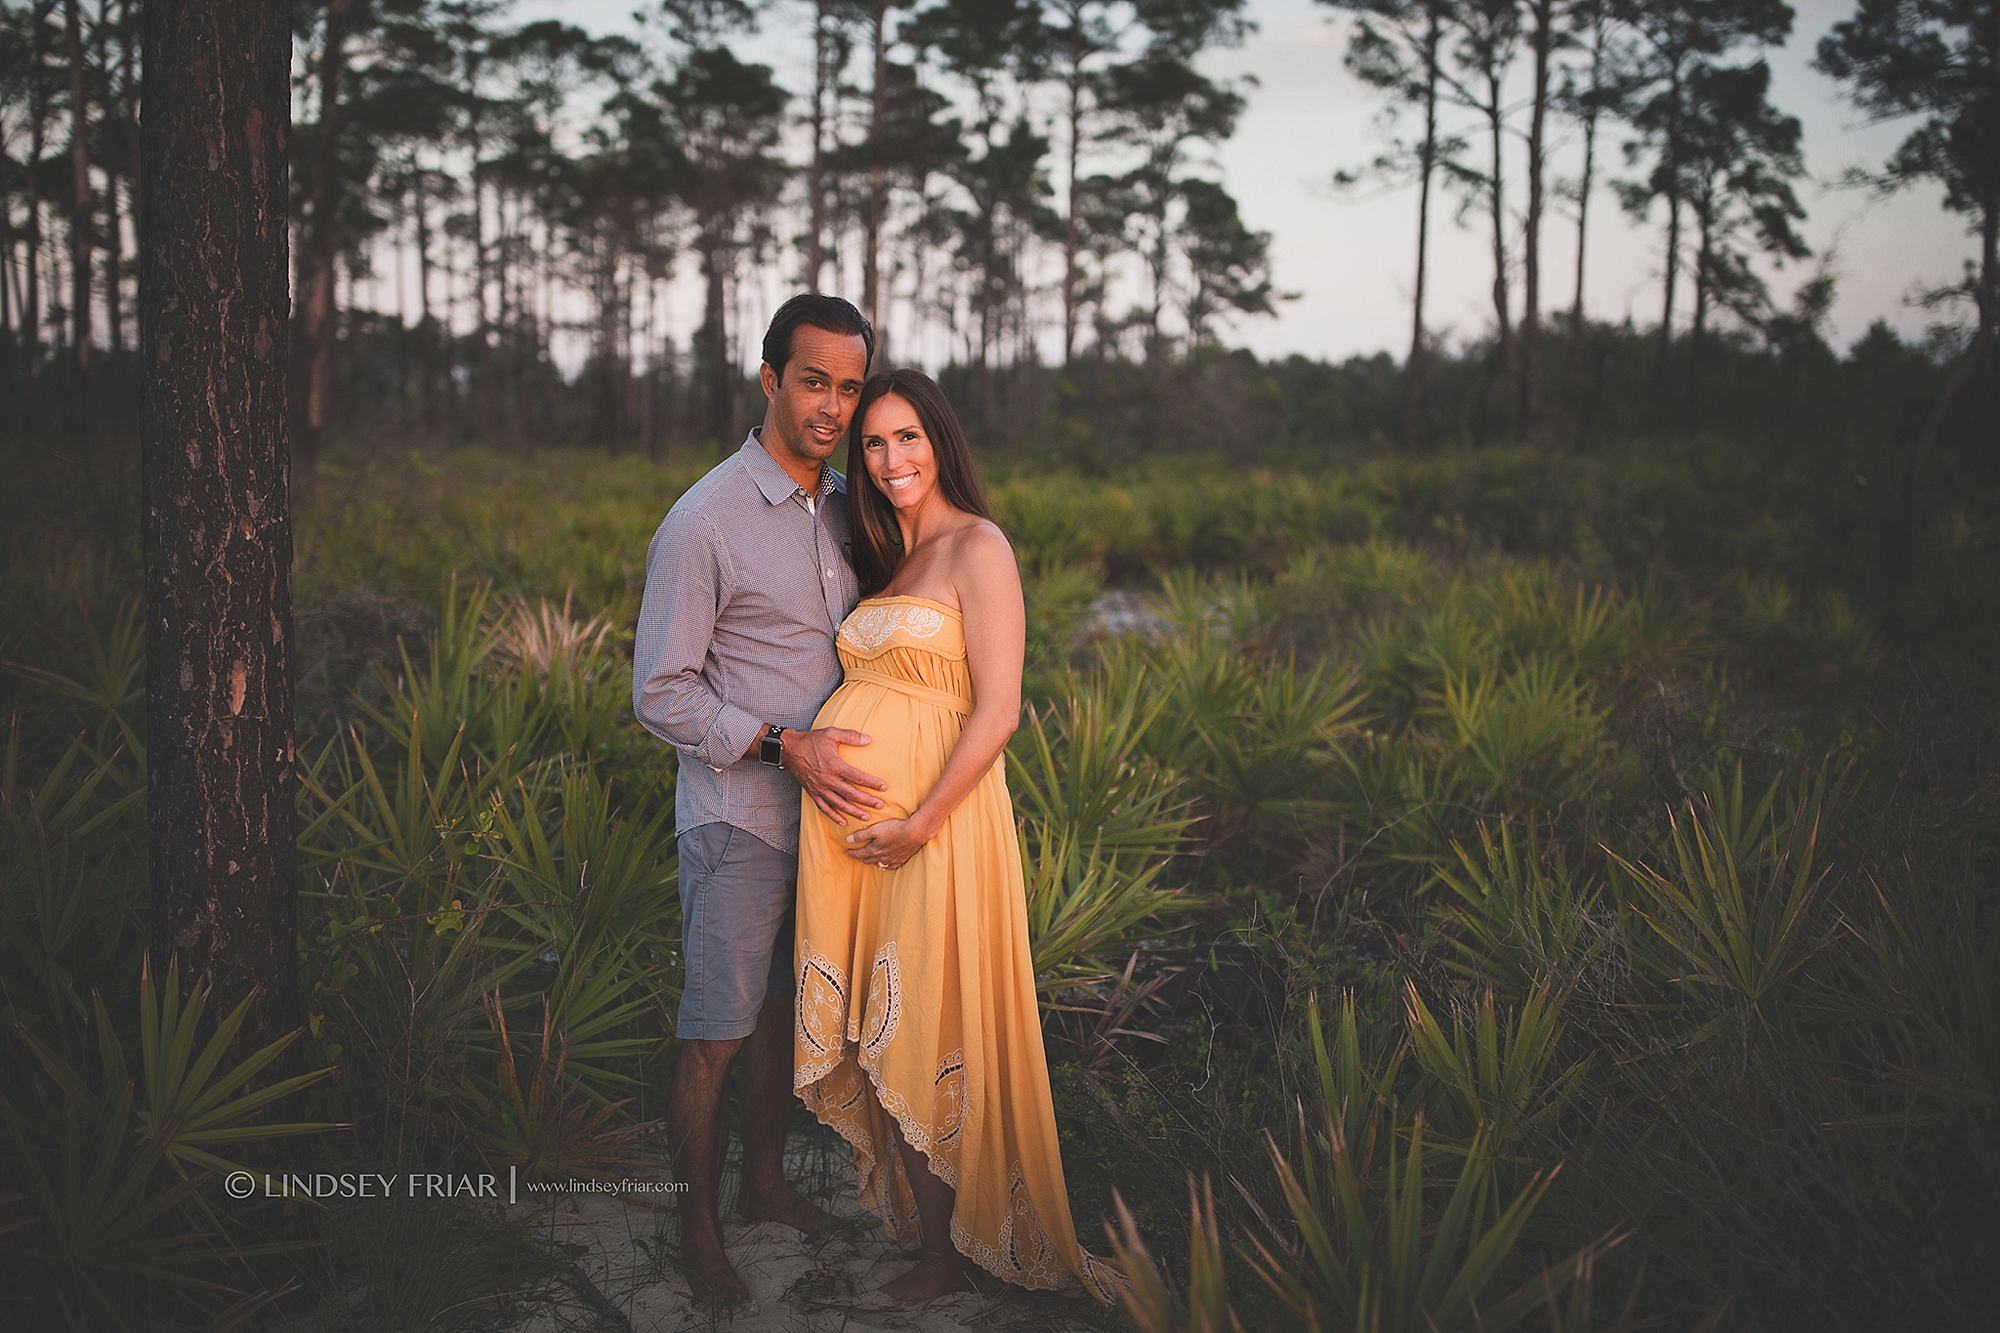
774, 482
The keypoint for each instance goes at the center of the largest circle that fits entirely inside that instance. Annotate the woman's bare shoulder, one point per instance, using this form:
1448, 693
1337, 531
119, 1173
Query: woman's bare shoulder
980, 546
982, 563
982, 537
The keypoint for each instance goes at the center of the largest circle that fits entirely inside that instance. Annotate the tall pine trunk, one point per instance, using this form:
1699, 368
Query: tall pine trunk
878, 181
721, 377
1072, 213
214, 306
1664, 353
1497, 203
816, 171
1590, 113
38, 122
316, 275
79, 217
114, 241
1414, 367
1704, 210
1529, 404
1989, 315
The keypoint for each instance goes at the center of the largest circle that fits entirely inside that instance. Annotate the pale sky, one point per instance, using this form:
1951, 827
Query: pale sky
1351, 257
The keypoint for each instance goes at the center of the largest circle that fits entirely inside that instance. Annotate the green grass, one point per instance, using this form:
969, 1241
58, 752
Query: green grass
1635, 815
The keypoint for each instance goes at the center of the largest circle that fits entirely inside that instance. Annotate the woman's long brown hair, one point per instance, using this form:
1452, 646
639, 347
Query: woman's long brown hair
876, 536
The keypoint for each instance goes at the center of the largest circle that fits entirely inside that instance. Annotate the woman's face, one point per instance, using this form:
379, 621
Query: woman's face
897, 453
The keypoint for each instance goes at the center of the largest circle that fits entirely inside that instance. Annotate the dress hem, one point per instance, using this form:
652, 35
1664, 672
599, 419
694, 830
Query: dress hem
959, 1235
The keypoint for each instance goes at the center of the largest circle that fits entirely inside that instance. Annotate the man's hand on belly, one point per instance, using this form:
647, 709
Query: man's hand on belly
838, 788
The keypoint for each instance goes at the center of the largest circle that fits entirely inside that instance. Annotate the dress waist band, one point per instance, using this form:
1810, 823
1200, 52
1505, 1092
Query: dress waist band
942, 698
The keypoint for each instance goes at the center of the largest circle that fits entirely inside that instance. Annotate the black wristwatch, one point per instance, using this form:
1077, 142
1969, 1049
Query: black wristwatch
771, 749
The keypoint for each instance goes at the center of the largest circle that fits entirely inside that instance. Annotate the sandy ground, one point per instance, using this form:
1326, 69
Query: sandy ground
626, 1270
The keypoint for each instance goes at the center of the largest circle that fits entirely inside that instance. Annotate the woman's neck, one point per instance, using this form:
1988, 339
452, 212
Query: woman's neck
933, 516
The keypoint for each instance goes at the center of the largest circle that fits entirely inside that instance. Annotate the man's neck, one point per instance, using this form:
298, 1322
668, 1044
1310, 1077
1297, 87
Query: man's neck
806, 473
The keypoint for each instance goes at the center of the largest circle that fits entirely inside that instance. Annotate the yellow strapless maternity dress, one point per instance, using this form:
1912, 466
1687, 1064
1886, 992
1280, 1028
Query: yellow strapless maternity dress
916, 991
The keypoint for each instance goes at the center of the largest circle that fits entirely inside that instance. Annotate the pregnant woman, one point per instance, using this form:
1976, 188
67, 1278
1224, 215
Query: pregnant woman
918, 1035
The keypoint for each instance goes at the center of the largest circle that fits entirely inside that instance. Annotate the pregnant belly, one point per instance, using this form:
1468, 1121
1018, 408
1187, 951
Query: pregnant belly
909, 740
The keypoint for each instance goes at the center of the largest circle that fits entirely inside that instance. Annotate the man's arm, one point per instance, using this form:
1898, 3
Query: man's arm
838, 788
684, 590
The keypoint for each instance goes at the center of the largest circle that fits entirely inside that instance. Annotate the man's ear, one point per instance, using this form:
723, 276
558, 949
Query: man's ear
768, 378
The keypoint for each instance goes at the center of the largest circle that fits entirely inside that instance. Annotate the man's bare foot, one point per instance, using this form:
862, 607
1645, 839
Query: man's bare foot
712, 1279
785, 1205
934, 1276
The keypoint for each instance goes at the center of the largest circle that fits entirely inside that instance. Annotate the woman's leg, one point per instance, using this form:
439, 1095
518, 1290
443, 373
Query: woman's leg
942, 1269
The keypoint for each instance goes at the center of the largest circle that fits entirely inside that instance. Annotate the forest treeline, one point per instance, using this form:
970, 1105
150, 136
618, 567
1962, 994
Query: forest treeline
488, 213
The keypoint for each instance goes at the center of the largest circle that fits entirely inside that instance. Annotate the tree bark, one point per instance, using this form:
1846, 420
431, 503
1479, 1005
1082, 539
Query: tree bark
715, 342
1072, 220
38, 120
129, 96
1502, 305
1704, 211
1414, 367
816, 171
214, 307
316, 270
1530, 401
114, 242
1664, 353
878, 182
79, 217
1590, 114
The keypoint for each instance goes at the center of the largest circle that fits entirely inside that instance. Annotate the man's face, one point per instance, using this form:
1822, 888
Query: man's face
812, 404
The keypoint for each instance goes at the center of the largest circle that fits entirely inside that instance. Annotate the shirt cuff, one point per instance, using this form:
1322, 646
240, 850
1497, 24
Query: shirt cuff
729, 737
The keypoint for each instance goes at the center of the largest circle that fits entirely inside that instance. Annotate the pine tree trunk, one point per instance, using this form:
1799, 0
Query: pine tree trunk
1583, 193
114, 261
114, 242
878, 182
1414, 367
1663, 354
214, 307
1989, 314
715, 343
1530, 401
816, 171
129, 95
79, 225
1071, 220
1503, 314
1704, 207
316, 272
38, 120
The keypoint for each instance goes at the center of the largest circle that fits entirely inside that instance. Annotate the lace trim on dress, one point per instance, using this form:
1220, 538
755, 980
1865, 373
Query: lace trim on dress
873, 624
821, 1009
884, 1012
834, 1080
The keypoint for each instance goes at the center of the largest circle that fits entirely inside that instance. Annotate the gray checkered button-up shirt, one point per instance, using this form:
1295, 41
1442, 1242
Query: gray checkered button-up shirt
747, 581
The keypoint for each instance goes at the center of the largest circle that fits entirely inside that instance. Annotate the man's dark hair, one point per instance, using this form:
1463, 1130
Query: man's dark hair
820, 312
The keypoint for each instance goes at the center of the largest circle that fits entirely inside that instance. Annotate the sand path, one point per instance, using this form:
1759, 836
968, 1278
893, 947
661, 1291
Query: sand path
626, 1271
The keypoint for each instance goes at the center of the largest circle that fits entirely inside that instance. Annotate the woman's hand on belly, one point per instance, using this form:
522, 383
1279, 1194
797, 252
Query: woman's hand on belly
888, 844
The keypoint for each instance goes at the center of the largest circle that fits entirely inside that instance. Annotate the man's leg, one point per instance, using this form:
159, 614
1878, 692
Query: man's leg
725, 978
698, 1132
766, 1103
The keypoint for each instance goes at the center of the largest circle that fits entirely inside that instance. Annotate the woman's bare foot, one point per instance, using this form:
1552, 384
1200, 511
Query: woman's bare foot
785, 1205
935, 1275
712, 1279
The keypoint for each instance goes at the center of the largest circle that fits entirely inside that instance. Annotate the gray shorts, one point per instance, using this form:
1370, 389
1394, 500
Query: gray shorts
737, 897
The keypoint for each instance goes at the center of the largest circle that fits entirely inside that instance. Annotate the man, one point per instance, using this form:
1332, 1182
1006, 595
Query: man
747, 581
